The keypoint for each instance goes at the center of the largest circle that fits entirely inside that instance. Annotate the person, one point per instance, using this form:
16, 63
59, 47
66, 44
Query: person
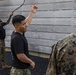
21, 61
63, 57
2, 42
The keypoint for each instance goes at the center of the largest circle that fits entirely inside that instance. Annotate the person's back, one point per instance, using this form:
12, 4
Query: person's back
63, 57
2, 42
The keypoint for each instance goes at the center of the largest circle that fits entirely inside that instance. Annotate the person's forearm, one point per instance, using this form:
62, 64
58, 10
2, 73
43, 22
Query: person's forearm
24, 58
8, 20
29, 18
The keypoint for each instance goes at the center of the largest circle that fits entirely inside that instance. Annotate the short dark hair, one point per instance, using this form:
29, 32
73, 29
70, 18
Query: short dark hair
17, 19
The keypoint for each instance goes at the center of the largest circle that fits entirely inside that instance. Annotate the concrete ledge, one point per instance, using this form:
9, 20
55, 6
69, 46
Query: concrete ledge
43, 55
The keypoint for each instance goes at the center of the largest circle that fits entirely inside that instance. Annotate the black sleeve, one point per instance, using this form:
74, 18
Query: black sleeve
18, 45
3, 23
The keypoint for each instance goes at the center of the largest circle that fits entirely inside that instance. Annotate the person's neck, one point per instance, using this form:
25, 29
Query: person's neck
19, 32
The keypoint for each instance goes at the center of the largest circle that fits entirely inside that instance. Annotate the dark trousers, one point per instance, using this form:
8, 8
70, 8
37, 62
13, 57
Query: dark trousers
2, 52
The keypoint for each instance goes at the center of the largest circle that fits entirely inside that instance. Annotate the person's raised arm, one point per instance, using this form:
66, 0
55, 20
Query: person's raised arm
33, 10
7, 22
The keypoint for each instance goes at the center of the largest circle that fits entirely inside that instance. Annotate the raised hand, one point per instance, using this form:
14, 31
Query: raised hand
34, 8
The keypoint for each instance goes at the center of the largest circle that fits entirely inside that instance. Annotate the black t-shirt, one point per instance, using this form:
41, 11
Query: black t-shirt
2, 31
19, 45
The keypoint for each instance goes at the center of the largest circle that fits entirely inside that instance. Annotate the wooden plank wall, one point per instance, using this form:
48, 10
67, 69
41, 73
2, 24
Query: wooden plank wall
54, 20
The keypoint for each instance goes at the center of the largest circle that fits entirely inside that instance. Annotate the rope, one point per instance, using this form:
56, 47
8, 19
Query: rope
19, 7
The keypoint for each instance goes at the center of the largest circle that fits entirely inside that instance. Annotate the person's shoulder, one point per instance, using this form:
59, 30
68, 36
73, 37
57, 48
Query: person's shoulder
15, 36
